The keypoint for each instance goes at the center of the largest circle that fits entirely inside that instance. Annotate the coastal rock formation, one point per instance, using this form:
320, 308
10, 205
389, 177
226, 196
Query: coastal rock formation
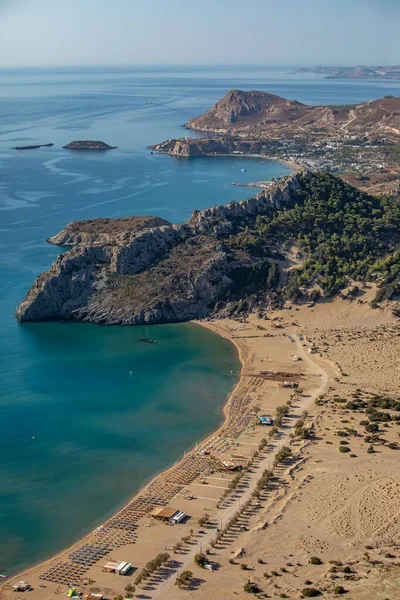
121, 272
88, 145
309, 235
209, 146
33, 147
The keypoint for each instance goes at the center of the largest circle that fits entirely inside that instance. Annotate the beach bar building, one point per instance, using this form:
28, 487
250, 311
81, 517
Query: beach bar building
168, 515
114, 566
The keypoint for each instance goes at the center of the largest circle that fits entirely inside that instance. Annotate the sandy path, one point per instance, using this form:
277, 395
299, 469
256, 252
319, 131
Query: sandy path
167, 588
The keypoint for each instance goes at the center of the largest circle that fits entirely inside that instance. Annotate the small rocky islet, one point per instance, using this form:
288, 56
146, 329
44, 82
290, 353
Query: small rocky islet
88, 145
33, 146
75, 145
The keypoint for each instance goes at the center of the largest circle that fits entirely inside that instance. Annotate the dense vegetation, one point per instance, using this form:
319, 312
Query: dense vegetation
342, 233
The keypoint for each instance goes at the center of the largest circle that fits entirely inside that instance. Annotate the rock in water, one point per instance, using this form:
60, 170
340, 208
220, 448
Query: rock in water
33, 147
88, 145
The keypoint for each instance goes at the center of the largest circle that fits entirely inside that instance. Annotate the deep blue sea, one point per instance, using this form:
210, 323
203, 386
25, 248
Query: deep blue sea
79, 434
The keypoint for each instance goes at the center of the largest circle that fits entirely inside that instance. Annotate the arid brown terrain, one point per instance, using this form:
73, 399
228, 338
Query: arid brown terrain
359, 142
262, 115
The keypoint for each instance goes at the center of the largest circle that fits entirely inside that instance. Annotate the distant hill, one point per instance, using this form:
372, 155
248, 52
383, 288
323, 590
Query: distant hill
359, 72
261, 114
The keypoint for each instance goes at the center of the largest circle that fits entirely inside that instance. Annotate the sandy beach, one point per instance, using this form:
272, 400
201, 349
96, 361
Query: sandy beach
341, 507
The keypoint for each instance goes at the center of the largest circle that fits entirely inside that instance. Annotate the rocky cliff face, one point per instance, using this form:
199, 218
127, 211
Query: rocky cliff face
123, 272
209, 146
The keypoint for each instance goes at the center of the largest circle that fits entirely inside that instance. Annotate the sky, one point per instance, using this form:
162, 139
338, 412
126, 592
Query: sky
201, 32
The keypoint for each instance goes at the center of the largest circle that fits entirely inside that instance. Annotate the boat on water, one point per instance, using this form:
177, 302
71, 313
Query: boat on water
148, 341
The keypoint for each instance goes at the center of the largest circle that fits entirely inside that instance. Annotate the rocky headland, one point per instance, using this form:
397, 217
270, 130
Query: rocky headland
154, 274
88, 145
226, 260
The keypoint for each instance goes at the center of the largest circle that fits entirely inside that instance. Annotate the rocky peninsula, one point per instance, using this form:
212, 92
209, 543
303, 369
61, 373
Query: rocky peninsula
226, 260
144, 274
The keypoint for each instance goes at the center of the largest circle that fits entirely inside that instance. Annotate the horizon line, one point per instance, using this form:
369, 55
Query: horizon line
254, 65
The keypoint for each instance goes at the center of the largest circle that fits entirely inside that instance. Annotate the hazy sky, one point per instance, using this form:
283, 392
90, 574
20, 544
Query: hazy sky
88, 32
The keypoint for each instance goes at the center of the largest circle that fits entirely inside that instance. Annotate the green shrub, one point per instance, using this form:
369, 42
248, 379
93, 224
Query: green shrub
339, 589
372, 427
315, 560
347, 569
377, 415
184, 579
310, 592
200, 560
251, 588
344, 449
393, 446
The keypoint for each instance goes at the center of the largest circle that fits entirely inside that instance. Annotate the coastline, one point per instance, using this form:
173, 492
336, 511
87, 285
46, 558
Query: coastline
293, 165
272, 527
4, 583
237, 428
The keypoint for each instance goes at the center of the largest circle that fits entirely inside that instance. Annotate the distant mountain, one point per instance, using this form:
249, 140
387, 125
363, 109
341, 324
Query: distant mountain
237, 109
261, 114
359, 72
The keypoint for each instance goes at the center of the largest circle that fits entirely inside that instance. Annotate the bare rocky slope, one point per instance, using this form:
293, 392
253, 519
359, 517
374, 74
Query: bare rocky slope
255, 122
262, 114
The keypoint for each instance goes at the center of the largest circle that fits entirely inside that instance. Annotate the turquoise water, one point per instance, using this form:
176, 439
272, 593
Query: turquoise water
78, 433
88, 414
